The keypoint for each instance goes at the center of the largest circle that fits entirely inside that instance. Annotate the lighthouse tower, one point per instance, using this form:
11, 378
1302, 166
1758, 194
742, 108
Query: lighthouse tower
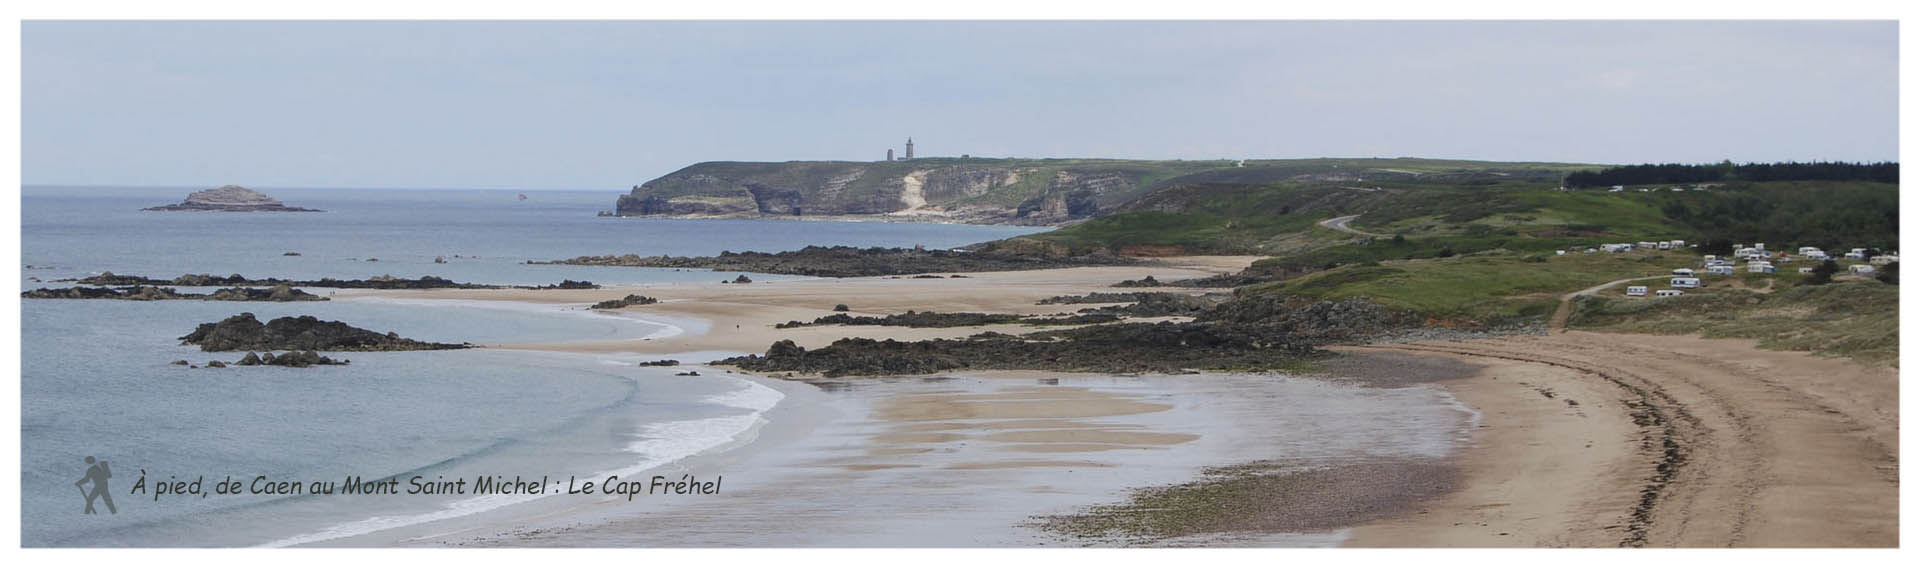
909, 148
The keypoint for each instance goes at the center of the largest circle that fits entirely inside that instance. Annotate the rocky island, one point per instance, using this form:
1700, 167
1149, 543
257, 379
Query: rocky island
230, 198
244, 332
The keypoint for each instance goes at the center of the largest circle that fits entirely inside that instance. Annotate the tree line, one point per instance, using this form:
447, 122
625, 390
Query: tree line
1645, 174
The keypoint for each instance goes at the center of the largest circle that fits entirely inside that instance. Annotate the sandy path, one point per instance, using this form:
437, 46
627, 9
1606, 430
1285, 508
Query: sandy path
1558, 322
1340, 224
1724, 445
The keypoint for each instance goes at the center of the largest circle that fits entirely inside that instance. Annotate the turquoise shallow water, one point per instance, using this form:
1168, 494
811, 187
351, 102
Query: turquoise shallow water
95, 379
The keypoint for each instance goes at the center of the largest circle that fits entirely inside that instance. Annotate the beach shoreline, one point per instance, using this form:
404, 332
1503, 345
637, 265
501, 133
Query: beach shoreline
1559, 455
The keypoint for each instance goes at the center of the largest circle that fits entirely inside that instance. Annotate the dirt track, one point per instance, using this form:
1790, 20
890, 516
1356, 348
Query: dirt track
1704, 443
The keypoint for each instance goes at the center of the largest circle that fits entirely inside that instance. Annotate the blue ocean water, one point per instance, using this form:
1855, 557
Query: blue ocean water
95, 378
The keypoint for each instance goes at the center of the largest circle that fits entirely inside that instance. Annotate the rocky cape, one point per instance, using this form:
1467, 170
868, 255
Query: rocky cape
244, 332
230, 198
971, 190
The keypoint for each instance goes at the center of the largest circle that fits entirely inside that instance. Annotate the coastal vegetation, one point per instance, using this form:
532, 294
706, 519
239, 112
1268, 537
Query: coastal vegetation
1644, 174
1854, 317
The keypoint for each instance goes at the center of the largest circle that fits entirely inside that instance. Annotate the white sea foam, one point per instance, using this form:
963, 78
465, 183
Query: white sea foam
659, 444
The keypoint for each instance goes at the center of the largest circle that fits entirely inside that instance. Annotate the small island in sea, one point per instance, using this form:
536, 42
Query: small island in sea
230, 198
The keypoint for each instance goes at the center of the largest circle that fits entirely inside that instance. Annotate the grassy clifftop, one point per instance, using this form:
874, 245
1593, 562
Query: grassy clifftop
1025, 191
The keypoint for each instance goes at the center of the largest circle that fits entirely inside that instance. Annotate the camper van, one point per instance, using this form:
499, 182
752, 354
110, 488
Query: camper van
1684, 282
1667, 293
1636, 290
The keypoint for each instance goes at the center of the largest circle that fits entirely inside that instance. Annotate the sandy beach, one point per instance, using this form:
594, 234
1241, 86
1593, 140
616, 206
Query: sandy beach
1596, 439
1579, 439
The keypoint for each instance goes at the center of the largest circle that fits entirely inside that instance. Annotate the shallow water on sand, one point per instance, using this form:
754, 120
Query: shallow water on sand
96, 379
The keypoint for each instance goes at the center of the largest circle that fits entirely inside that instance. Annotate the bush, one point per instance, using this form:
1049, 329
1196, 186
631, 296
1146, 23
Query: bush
1822, 274
1889, 274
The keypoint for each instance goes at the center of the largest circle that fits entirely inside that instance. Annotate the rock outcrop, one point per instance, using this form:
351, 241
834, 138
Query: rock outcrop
230, 198
630, 300
301, 359
303, 333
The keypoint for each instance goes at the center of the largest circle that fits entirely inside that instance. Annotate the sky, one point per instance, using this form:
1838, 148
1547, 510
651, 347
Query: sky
590, 105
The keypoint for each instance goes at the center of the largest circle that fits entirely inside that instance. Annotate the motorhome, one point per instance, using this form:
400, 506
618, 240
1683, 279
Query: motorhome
1685, 282
1683, 272
1636, 290
1860, 269
1667, 293
1857, 254
1760, 268
1721, 269
1884, 259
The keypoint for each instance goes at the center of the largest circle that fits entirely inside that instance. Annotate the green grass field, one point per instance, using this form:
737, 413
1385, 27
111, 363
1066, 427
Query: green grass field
1487, 288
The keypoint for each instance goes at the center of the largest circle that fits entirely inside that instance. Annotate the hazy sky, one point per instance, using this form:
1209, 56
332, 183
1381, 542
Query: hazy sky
611, 104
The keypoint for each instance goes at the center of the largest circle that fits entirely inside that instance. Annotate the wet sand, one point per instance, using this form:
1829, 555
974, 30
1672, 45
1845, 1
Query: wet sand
950, 460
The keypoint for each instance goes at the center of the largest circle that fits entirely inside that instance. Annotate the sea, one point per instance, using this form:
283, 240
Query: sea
239, 456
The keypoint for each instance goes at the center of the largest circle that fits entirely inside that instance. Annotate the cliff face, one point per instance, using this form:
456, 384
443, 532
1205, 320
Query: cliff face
1038, 192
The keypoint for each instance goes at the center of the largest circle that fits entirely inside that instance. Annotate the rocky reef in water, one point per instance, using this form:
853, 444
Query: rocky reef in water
842, 261
244, 332
230, 198
383, 282
282, 293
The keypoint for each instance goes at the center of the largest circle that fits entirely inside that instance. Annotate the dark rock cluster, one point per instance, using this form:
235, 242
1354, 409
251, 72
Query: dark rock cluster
306, 333
302, 359
1241, 334
630, 300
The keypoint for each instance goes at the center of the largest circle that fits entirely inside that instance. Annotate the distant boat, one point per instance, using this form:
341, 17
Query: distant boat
523, 197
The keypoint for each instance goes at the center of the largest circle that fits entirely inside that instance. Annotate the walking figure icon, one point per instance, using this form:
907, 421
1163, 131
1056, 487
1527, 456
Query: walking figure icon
98, 473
